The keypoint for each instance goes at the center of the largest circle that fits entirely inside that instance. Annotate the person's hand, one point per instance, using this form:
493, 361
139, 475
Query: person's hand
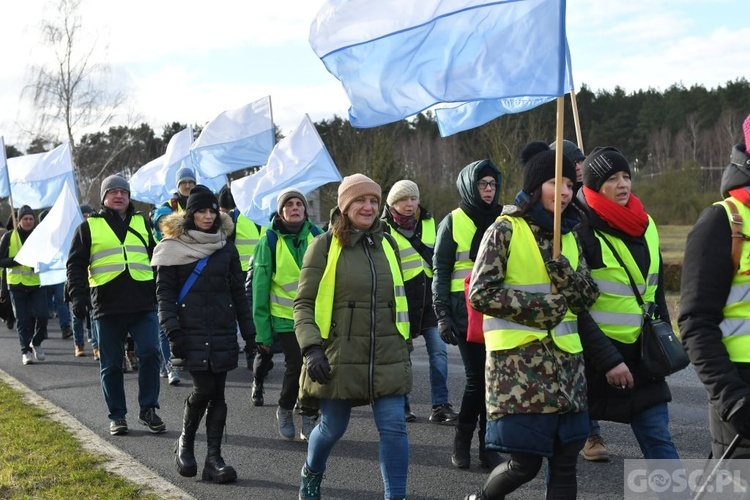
448, 331
79, 310
177, 344
318, 368
740, 421
560, 272
620, 377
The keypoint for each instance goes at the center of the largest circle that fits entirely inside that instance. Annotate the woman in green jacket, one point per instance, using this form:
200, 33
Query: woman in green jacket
351, 321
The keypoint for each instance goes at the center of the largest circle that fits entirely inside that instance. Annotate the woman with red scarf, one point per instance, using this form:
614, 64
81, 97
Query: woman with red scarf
621, 245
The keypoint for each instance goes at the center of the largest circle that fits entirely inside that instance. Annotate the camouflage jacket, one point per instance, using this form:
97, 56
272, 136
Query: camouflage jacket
537, 377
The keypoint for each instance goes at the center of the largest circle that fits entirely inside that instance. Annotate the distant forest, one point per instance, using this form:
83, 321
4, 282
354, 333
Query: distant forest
677, 141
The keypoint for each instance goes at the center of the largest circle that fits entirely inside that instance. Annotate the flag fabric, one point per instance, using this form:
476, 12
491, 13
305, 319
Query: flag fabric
155, 181
236, 139
47, 247
36, 180
468, 115
300, 160
4, 180
396, 58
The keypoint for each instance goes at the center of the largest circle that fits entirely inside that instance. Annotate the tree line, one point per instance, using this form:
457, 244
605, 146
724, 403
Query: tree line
677, 141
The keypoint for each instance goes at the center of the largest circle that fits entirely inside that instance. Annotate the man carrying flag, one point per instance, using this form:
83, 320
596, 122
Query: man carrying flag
29, 299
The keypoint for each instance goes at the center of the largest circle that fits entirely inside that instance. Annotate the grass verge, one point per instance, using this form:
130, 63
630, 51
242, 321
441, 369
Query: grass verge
40, 459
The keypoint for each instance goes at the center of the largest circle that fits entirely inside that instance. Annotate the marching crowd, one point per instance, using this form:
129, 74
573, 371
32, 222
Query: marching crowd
550, 340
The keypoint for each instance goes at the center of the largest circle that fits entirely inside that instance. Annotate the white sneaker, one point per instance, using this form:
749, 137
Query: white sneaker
39, 352
174, 378
163, 372
27, 358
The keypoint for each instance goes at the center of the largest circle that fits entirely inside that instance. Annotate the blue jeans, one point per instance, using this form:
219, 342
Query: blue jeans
438, 353
30, 308
651, 429
388, 412
166, 354
113, 330
79, 329
56, 299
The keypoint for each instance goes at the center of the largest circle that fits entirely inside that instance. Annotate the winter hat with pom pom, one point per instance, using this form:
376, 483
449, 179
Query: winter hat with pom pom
539, 166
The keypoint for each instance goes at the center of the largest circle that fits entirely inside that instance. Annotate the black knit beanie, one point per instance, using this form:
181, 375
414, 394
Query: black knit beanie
601, 164
201, 197
539, 166
24, 210
226, 200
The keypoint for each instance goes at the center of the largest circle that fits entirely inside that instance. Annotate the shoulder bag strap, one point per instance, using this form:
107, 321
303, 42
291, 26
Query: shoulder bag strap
737, 236
619, 261
191, 279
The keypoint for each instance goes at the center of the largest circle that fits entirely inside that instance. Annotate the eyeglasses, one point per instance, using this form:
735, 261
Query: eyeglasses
482, 185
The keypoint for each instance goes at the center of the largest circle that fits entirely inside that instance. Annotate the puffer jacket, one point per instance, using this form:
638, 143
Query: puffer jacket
368, 356
447, 303
211, 310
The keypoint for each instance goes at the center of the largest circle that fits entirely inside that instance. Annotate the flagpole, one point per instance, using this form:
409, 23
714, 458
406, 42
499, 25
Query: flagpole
7, 178
576, 120
558, 177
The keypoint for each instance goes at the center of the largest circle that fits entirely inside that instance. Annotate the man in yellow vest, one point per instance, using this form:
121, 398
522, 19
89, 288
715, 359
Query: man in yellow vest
29, 299
185, 178
110, 256
714, 314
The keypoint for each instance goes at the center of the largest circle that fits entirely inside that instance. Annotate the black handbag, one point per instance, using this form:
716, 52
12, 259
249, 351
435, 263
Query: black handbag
662, 352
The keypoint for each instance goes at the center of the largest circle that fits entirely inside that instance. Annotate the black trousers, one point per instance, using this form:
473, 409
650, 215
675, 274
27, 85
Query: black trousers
208, 387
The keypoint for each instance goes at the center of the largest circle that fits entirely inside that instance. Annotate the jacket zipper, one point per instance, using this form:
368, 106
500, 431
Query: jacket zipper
373, 301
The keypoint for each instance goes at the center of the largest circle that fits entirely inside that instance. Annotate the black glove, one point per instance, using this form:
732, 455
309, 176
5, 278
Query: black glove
448, 331
318, 368
176, 344
79, 310
740, 421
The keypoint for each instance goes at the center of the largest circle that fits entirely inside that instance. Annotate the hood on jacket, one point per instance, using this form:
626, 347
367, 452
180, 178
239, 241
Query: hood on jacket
176, 224
467, 183
737, 173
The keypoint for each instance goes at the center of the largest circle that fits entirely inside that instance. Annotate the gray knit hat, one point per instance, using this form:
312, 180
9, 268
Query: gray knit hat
185, 174
402, 189
113, 182
24, 210
286, 195
570, 150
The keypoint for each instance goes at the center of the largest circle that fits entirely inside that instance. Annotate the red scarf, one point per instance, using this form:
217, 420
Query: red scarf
742, 194
631, 219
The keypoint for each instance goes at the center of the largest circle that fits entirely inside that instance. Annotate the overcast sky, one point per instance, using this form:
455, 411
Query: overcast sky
187, 61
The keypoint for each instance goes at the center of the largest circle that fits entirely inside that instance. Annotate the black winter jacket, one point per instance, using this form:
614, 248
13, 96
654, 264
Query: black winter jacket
208, 317
122, 295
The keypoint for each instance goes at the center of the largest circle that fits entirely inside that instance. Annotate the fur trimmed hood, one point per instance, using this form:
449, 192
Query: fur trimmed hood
175, 225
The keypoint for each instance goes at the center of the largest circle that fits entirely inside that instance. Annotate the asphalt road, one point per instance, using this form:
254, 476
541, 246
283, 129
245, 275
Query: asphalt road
269, 466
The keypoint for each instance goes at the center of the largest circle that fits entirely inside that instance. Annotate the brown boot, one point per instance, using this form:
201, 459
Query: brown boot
594, 449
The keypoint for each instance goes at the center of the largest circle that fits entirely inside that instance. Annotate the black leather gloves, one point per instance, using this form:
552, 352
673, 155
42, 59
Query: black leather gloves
318, 368
448, 331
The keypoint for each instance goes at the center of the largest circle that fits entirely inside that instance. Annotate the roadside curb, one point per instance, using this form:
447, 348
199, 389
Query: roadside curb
118, 462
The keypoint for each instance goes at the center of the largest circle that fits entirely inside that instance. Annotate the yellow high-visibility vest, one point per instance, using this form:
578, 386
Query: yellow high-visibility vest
463, 232
411, 262
20, 275
246, 238
526, 271
109, 258
285, 281
327, 289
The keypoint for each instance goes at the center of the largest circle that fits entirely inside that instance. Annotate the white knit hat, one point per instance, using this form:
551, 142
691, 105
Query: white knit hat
402, 189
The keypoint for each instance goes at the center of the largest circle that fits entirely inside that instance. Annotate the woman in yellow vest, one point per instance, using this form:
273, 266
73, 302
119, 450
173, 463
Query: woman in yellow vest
352, 323
536, 387
620, 232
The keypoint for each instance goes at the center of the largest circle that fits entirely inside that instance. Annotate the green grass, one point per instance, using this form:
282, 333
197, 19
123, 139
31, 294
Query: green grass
672, 240
40, 459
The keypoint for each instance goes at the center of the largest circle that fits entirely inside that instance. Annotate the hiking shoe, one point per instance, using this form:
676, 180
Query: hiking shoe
409, 416
309, 485
174, 377
79, 351
118, 427
256, 396
285, 420
308, 424
27, 358
594, 450
150, 419
67, 332
443, 413
95, 353
39, 352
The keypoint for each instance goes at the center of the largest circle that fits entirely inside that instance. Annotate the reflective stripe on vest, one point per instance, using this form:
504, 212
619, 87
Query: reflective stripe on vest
616, 311
285, 280
20, 275
327, 289
109, 257
246, 238
412, 264
463, 232
735, 327
526, 271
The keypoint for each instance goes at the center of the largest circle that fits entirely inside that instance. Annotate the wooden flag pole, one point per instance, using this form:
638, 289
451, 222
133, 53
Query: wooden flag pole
576, 120
558, 176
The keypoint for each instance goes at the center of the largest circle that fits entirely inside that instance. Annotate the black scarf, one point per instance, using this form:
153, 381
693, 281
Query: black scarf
482, 217
569, 220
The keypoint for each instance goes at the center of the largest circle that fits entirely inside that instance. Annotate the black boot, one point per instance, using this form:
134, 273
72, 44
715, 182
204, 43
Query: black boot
487, 458
257, 394
461, 457
184, 449
215, 469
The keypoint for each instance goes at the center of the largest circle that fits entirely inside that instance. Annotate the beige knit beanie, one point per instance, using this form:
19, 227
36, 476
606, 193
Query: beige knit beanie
354, 186
402, 189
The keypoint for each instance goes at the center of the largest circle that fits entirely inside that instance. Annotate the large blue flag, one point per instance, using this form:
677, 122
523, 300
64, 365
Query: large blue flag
36, 180
299, 160
236, 139
396, 58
